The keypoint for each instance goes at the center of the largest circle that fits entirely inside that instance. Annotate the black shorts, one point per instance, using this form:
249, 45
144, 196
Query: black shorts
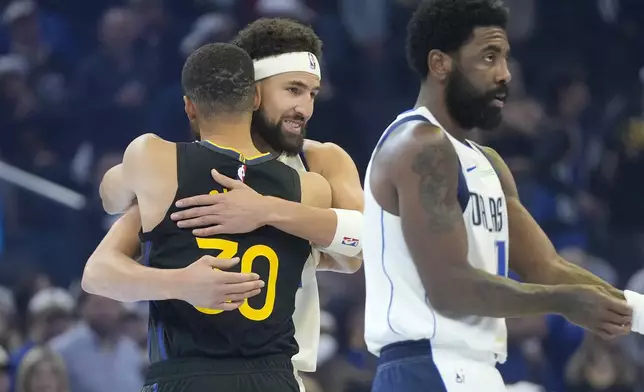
266, 374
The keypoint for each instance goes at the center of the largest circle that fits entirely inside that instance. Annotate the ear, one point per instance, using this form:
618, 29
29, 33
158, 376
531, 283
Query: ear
189, 108
258, 98
439, 63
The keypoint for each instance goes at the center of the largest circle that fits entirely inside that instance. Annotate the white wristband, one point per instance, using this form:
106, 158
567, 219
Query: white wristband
348, 233
636, 302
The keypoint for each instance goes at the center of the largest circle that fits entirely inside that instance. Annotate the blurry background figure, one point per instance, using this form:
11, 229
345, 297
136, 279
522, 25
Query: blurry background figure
5, 376
135, 327
50, 315
42, 370
600, 366
99, 357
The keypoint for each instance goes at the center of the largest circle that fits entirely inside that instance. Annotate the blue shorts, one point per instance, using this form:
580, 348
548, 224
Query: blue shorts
413, 366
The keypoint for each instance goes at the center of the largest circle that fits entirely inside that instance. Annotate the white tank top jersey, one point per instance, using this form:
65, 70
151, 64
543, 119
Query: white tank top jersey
397, 306
306, 316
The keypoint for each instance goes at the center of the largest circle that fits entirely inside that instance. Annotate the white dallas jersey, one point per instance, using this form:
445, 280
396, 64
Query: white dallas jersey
306, 316
397, 307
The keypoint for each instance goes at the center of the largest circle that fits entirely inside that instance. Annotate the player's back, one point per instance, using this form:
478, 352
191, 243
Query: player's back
397, 306
262, 326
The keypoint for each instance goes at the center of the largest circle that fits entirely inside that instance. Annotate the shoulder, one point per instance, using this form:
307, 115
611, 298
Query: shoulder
502, 171
147, 149
422, 146
146, 142
325, 157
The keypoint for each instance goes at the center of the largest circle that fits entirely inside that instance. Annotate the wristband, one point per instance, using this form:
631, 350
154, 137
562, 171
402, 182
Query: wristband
348, 233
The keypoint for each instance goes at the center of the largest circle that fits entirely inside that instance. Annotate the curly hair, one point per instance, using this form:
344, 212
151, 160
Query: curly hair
273, 36
447, 25
219, 78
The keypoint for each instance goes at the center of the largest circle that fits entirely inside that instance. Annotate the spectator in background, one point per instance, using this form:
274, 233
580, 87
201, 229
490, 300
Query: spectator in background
600, 366
112, 84
48, 69
7, 318
562, 166
31, 127
625, 165
50, 315
98, 357
135, 325
5, 378
42, 371
158, 42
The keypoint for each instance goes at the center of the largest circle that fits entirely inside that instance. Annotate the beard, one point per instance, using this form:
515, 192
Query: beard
282, 142
470, 108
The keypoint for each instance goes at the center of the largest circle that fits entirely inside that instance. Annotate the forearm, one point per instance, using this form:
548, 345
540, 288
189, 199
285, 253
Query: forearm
117, 276
331, 261
473, 292
115, 193
565, 272
317, 225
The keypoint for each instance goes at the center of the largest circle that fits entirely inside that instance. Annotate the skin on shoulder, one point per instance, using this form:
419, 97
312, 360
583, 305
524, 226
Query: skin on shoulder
316, 191
149, 171
337, 167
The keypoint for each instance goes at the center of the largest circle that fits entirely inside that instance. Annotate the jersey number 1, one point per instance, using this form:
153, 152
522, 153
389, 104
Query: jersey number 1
501, 249
228, 251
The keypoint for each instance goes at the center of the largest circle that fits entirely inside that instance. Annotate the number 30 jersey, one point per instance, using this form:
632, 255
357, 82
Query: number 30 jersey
263, 324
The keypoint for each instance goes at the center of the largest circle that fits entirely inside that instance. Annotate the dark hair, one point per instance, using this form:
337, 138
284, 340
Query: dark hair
219, 78
447, 25
273, 36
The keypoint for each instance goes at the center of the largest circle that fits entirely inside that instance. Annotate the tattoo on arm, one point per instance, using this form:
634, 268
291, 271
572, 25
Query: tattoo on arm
436, 165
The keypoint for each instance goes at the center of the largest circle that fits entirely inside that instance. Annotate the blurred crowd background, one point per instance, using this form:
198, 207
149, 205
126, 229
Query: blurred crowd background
80, 79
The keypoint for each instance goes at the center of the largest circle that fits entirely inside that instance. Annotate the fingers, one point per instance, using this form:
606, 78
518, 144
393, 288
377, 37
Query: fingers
243, 296
244, 287
620, 307
210, 231
221, 264
237, 277
193, 212
611, 331
199, 222
230, 305
617, 319
226, 181
615, 330
200, 200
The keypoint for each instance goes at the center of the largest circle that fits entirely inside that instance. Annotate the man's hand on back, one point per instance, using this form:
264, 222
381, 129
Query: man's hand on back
238, 210
203, 284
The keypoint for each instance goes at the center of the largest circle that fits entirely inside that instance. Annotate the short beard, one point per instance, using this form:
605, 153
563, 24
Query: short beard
470, 108
278, 140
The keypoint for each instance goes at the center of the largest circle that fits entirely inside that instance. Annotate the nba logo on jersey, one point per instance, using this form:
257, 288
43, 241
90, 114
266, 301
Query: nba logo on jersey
241, 173
312, 62
348, 241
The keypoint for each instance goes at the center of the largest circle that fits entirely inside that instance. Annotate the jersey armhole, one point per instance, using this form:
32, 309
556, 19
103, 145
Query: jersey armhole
297, 185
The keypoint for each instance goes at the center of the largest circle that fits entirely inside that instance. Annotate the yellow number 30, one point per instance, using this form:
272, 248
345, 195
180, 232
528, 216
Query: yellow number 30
228, 251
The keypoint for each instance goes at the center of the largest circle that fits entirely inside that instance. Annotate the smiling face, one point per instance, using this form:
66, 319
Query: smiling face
476, 87
286, 106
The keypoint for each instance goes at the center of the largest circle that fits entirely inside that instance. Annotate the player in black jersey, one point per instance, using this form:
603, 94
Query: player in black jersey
200, 349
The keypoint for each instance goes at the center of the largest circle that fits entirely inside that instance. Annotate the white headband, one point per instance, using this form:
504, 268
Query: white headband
287, 62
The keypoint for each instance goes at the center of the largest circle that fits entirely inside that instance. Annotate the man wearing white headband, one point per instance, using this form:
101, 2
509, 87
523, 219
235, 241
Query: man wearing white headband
286, 56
